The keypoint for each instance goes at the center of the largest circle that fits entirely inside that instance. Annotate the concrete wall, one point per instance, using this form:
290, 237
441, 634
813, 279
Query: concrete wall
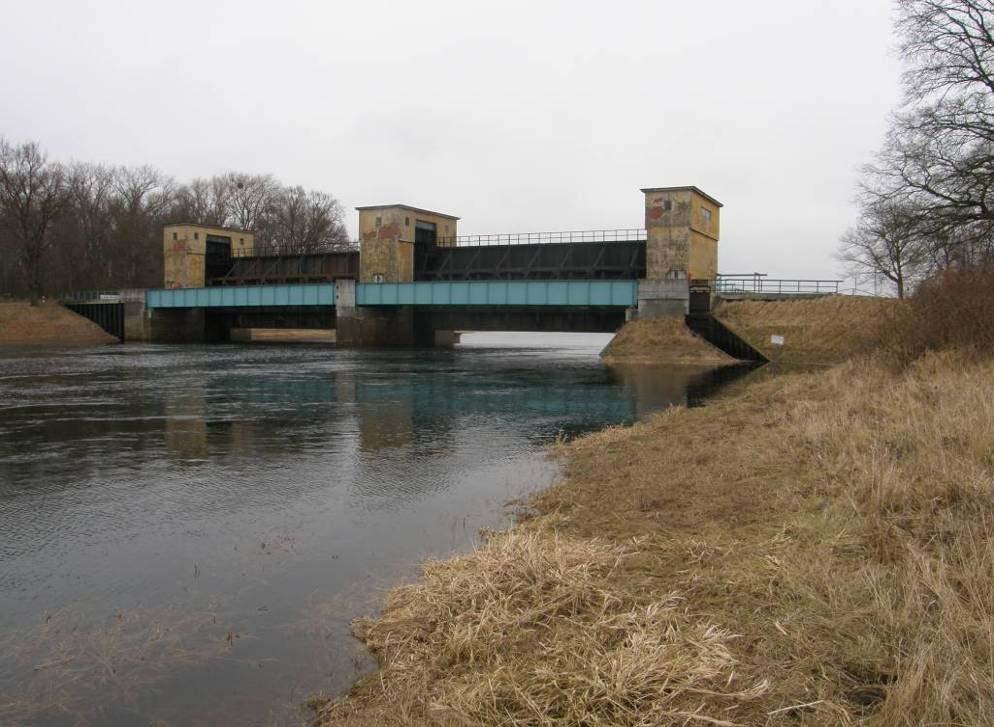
386, 235
661, 298
136, 319
184, 247
370, 327
683, 225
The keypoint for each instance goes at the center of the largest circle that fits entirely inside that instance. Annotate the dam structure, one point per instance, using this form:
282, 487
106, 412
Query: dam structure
411, 280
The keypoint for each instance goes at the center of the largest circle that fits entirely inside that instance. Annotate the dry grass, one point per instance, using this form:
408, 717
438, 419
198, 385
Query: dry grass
817, 330
465, 641
815, 551
48, 324
661, 340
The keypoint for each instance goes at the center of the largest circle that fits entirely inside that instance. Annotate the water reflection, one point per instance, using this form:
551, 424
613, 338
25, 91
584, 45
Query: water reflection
202, 504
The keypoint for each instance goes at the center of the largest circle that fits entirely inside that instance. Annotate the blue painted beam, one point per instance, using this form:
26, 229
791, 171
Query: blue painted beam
248, 296
613, 293
620, 293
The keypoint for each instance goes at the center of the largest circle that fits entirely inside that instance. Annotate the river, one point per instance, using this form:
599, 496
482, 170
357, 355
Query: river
186, 533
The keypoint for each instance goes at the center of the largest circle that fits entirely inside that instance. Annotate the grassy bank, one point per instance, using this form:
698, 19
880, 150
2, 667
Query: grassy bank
47, 324
662, 340
813, 551
816, 330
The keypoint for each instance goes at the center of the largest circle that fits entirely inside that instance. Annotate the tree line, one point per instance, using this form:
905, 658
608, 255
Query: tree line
927, 201
79, 226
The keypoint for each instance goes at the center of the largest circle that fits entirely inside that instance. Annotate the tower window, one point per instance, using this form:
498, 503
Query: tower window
407, 222
667, 205
379, 221
705, 217
174, 235
196, 235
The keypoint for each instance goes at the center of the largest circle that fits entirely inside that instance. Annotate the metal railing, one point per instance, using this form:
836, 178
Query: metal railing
291, 250
533, 238
760, 284
92, 296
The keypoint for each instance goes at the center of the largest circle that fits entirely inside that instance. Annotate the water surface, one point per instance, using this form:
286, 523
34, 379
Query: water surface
187, 532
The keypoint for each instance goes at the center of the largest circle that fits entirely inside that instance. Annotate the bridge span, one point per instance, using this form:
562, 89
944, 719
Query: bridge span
411, 275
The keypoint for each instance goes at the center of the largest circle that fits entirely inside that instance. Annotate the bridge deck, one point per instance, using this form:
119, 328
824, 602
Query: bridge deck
569, 293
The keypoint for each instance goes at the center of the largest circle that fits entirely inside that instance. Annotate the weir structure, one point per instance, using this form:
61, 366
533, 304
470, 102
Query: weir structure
412, 280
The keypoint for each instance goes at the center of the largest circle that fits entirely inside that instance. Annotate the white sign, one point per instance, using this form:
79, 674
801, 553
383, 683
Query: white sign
776, 340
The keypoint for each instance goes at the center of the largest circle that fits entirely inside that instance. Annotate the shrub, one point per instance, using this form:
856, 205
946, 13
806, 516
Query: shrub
952, 311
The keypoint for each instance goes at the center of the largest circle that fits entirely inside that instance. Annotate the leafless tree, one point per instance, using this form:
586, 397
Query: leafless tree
85, 226
32, 194
939, 154
302, 220
888, 242
250, 197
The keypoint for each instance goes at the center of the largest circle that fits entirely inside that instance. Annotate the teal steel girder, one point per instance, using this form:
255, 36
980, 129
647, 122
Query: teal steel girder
247, 296
502, 292
613, 293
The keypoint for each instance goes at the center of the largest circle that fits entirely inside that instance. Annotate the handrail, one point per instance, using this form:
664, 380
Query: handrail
757, 284
92, 296
550, 237
300, 249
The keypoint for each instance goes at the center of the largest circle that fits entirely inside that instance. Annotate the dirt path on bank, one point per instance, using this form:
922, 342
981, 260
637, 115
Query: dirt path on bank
814, 550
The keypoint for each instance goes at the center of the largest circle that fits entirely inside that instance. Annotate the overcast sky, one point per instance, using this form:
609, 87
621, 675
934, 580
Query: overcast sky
516, 116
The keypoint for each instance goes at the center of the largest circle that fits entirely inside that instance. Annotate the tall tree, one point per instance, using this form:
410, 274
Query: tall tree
939, 154
32, 195
887, 241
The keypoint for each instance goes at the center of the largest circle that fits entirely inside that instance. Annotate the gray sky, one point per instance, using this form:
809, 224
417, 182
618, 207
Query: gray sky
516, 116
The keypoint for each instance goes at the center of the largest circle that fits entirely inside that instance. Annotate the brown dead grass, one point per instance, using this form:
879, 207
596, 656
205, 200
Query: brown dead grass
48, 324
816, 330
814, 551
661, 340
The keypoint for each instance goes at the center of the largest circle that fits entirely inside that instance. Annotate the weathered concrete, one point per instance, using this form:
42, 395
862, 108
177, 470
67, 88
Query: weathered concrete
387, 238
659, 298
682, 230
184, 251
370, 327
136, 317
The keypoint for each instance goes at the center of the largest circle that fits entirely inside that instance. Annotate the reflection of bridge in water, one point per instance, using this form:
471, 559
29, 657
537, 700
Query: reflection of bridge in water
392, 412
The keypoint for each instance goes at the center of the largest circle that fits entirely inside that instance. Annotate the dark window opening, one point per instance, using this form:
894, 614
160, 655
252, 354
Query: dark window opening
425, 237
217, 260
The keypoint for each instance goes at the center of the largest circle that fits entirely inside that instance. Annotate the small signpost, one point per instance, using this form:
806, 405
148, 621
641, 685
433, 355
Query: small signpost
777, 341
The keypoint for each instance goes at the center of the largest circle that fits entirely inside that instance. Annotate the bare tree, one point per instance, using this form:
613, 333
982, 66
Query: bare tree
86, 226
302, 220
250, 197
32, 194
887, 242
939, 155
142, 196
